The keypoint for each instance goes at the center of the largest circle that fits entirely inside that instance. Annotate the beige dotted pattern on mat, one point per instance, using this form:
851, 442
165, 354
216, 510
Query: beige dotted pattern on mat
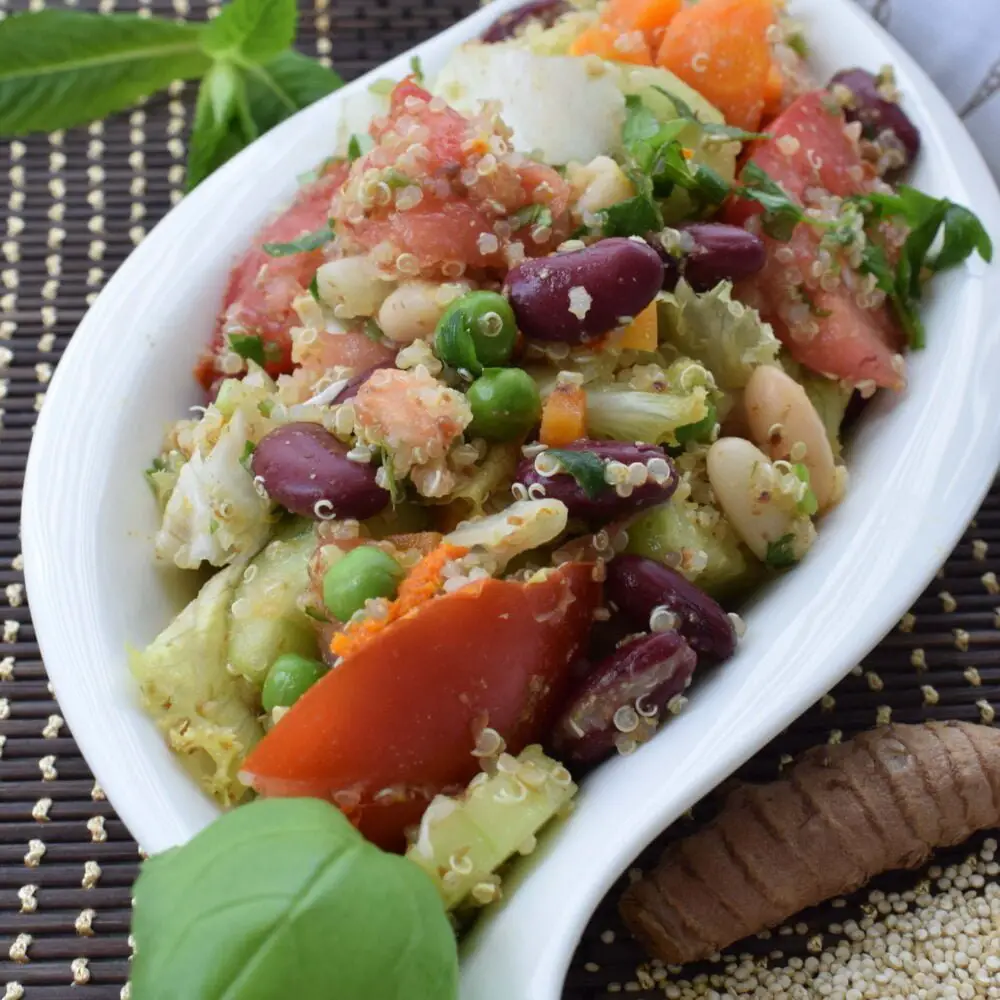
76, 204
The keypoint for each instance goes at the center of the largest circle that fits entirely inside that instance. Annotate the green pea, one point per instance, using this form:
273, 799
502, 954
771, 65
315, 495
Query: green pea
700, 431
288, 679
476, 331
505, 404
361, 575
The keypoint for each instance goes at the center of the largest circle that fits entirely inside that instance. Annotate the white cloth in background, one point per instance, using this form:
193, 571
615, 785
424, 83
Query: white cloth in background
957, 42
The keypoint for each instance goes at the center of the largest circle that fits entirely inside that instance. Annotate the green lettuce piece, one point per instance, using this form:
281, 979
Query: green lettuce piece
208, 715
653, 417
726, 336
678, 528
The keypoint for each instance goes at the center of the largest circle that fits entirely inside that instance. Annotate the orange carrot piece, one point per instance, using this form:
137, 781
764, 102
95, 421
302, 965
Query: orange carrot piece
641, 333
651, 17
421, 584
774, 93
613, 43
564, 416
720, 47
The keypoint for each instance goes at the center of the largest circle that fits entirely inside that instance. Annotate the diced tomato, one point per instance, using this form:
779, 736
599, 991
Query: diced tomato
395, 722
437, 185
261, 289
827, 329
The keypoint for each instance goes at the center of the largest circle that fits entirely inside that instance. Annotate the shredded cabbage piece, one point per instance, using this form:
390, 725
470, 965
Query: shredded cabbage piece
726, 336
208, 715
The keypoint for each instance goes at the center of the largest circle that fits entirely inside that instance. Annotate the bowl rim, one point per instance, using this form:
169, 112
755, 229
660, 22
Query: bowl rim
47, 531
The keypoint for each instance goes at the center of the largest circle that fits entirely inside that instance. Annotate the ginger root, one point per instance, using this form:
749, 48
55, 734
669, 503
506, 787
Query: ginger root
885, 799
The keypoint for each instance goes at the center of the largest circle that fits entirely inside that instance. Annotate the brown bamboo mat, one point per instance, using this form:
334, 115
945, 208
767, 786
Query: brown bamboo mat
75, 205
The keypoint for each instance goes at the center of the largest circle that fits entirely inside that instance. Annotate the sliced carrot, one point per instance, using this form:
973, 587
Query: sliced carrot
564, 416
611, 42
641, 333
775, 92
651, 17
721, 48
421, 584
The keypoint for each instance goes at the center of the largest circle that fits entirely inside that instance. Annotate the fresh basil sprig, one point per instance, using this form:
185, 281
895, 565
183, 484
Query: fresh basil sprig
61, 68
284, 898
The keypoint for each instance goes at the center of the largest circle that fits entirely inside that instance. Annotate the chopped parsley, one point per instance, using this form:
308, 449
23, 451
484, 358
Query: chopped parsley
780, 554
782, 213
248, 449
585, 467
808, 505
251, 347
417, 69
303, 244
354, 148
531, 215
396, 494
314, 287
928, 218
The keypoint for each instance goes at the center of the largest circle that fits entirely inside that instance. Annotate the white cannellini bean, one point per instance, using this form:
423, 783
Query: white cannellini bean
524, 525
739, 473
601, 183
780, 415
412, 311
352, 287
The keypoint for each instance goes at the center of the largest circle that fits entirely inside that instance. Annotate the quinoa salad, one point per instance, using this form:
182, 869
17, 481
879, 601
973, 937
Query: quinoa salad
540, 375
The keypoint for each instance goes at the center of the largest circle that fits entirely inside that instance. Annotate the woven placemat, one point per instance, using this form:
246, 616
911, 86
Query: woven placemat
75, 206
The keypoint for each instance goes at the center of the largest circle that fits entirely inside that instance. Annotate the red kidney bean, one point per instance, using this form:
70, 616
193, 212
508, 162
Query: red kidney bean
303, 465
581, 295
607, 504
710, 252
546, 12
355, 382
636, 586
624, 697
876, 114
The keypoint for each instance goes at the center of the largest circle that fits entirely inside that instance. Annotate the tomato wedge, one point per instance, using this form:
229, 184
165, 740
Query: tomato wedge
261, 288
828, 327
448, 192
396, 722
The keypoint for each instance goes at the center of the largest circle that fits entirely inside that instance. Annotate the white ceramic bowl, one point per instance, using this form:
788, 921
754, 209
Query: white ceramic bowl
919, 467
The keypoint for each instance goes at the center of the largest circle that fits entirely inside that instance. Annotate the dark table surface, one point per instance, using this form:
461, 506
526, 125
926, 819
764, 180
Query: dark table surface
75, 205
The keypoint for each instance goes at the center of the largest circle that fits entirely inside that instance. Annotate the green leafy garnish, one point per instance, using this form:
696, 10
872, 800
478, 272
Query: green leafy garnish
354, 148
927, 218
585, 467
632, 217
780, 554
286, 896
248, 346
303, 244
797, 42
396, 493
417, 69
782, 213
531, 215
248, 450
808, 505
61, 68
372, 331
702, 430
314, 287
727, 133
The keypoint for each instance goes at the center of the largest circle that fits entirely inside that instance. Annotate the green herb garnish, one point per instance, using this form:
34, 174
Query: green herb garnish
585, 467
531, 215
354, 148
779, 554
417, 69
61, 68
808, 505
303, 244
782, 213
396, 493
248, 346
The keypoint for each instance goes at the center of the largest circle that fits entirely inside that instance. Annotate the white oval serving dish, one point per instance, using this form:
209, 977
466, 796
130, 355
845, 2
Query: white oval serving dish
919, 466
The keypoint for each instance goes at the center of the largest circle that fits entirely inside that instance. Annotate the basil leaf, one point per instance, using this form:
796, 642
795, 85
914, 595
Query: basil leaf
779, 554
308, 241
251, 30
286, 84
585, 467
963, 234
248, 346
222, 126
283, 897
781, 212
60, 68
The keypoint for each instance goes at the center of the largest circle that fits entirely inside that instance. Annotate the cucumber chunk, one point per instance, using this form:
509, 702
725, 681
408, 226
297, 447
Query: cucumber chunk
462, 841
266, 618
